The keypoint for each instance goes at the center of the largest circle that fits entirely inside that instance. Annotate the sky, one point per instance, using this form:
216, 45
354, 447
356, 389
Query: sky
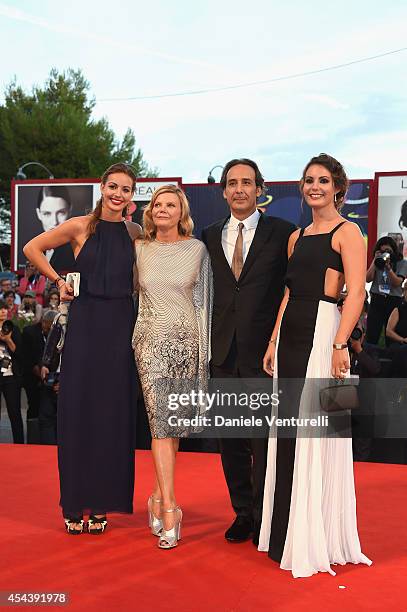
131, 49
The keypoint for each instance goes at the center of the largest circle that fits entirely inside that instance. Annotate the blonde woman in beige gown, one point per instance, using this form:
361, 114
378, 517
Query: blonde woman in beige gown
171, 340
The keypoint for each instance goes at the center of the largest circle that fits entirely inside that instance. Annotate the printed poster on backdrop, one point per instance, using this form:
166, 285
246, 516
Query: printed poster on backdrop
392, 207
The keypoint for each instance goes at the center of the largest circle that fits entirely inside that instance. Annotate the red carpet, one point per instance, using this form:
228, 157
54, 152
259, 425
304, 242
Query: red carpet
124, 570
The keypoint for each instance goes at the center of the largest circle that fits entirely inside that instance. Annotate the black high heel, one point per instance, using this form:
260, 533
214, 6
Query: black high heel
102, 520
71, 521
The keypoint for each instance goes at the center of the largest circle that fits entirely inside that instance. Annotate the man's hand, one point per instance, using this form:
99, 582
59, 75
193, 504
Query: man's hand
5, 337
356, 345
44, 373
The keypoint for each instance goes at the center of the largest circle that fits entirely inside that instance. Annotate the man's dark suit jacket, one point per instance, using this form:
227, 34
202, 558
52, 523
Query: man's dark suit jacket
33, 347
248, 308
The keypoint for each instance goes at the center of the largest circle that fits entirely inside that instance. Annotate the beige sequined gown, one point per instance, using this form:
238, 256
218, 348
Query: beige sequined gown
171, 336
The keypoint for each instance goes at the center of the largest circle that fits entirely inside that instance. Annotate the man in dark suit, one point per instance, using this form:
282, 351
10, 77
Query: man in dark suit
249, 257
33, 343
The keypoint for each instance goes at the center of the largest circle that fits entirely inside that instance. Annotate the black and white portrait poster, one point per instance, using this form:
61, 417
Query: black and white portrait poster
39, 207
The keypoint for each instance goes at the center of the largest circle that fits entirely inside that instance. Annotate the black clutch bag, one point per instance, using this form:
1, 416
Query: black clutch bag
340, 397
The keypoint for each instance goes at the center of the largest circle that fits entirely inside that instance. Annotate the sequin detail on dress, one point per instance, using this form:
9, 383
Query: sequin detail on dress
171, 336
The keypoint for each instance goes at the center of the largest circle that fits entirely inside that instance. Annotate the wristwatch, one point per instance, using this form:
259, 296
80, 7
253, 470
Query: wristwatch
339, 347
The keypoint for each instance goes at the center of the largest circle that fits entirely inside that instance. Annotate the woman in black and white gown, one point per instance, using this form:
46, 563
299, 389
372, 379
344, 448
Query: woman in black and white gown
309, 508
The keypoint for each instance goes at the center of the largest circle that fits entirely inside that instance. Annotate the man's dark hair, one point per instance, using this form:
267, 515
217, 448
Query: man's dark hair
9, 292
3, 305
246, 162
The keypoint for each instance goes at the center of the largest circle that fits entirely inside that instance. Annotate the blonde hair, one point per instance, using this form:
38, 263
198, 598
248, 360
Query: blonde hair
185, 224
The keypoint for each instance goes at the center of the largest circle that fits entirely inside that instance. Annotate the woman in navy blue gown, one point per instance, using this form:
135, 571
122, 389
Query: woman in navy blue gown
97, 397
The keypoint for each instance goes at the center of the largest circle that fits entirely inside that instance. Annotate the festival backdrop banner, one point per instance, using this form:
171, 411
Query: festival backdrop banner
41, 205
282, 199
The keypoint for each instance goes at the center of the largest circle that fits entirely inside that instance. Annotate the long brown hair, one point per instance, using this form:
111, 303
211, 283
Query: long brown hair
185, 224
94, 216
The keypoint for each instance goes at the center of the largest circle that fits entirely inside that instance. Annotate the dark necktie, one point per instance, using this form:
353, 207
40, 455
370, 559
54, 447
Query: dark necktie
237, 261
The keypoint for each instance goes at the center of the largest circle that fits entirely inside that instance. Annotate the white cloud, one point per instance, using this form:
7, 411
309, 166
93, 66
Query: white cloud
379, 152
87, 35
326, 101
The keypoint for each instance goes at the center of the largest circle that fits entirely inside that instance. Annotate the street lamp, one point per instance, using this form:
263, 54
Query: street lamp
20, 176
211, 179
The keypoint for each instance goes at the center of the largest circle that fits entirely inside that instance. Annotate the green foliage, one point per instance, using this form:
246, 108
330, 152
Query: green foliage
53, 125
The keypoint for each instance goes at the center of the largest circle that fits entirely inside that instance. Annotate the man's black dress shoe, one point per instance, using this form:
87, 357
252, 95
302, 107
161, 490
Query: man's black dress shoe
240, 531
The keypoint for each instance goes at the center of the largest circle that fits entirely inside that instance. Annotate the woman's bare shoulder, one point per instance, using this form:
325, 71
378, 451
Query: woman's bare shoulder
349, 228
292, 241
79, 223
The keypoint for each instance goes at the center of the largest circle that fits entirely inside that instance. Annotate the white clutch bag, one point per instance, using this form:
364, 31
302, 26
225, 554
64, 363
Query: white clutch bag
74, 279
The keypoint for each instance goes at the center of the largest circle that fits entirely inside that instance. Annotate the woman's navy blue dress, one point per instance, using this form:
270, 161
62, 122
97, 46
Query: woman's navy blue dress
97, 397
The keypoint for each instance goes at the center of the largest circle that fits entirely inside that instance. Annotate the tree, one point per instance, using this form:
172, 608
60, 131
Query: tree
53, 125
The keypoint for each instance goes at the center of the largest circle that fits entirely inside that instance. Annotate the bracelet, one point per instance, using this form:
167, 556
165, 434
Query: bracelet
272, 341
339, 347
58, 278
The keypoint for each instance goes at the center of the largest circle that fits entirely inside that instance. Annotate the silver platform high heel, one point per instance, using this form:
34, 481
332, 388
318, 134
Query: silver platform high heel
154, 522
169, 538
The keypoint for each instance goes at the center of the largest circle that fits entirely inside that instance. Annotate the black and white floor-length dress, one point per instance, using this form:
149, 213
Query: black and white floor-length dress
309, 508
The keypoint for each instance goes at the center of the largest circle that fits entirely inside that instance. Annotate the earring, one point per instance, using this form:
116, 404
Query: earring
334, 198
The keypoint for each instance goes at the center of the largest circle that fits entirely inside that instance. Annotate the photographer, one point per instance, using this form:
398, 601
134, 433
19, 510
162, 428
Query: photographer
387, 273
5, 287
10, 372
51, 360
12, 308
53, 300
30, 311
364, 363
33, 281
364, 360
396, 332
33, 343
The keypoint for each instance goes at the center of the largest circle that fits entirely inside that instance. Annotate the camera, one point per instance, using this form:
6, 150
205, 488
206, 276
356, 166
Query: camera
28, 307
5, 363
357, 333
381, 260
52, 379
7, 327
